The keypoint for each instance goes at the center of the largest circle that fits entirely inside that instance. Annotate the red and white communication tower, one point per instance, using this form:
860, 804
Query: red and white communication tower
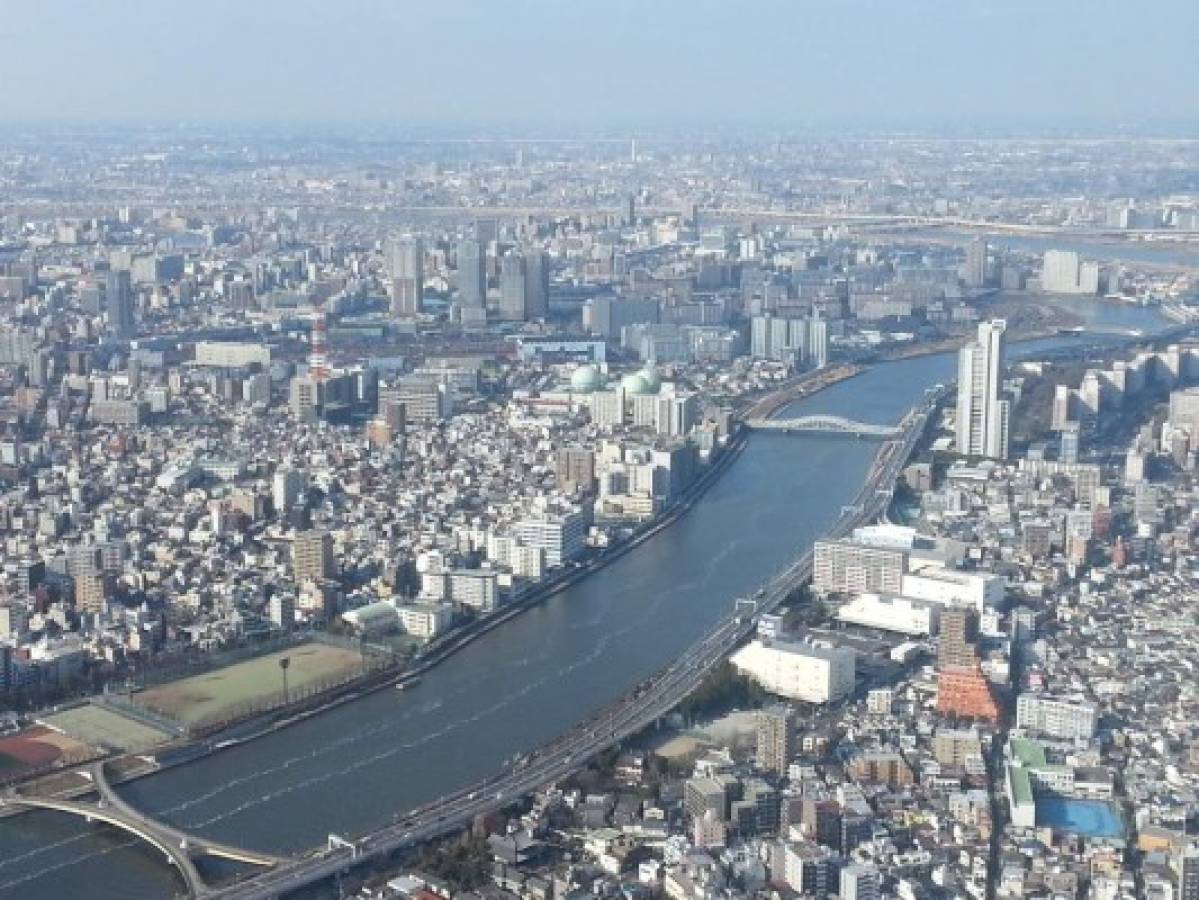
318, 355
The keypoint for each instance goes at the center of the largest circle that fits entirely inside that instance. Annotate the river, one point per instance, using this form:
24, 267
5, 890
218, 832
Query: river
516, 687
1106, 250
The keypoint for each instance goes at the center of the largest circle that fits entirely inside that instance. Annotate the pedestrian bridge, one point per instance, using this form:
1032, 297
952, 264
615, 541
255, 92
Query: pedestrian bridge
178, 846
826, 425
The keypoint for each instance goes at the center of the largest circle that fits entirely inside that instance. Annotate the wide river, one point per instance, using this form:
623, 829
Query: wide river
518, 686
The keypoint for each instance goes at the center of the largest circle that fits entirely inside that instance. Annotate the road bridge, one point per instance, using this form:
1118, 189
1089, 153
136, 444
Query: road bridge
180, 847
825, 424
650, 700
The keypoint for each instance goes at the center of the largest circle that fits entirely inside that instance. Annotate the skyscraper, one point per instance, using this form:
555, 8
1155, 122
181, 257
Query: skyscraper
513, 287
472, 274
407, 277
982, 416
975, 270
537, 285
118, 302
818, 342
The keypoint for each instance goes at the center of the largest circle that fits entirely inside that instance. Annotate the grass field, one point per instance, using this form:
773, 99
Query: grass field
256, 683
101, 727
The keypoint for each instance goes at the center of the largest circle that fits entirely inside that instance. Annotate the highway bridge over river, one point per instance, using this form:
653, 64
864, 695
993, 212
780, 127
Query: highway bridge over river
647, 702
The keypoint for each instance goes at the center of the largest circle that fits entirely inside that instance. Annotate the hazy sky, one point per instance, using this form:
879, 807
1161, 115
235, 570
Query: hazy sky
604, 64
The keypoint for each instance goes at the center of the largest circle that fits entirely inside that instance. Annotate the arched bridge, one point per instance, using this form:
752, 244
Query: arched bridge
179, 847
825, 424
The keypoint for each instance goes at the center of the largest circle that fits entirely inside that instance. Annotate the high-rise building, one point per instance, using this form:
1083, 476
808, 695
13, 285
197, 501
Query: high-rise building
537, 285
286, 487
472, 274
962, 689
982, 415
1063, 272
1186, 866
974, 273
118, 303
776, 739
513, 287
304, 398
312, 556
407, 277
817, 342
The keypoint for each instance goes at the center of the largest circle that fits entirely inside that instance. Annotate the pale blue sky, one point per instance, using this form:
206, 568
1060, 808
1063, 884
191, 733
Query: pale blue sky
605, 64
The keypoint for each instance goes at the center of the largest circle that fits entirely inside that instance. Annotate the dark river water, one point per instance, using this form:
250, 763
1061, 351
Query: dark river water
523, 683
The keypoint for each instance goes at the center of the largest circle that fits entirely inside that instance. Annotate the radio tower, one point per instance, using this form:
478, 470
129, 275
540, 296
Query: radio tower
318, 358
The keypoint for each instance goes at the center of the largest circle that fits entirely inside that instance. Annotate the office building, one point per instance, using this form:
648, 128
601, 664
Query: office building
472, 274
813, 673
974, 273
608, 315
1063, 272
561, 538
817, 355
513, 287
305, 398
537, 284
407, 277
427, 402
312, 556
982, 414
118, 303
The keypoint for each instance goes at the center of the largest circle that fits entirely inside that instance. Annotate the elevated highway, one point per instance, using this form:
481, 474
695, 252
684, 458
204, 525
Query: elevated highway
647, 702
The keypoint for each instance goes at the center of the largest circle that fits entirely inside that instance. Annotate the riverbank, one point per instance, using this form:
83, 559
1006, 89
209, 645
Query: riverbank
260, 726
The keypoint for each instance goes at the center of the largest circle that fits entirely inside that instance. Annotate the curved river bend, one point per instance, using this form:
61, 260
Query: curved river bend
518, 686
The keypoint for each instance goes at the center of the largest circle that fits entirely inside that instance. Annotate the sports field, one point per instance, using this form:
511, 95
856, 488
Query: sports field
102, 727
251, 685
35, 748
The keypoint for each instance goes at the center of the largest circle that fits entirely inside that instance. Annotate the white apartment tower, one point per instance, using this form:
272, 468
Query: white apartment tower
982, 416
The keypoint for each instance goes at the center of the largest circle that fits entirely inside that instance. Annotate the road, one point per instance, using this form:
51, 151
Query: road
649, 701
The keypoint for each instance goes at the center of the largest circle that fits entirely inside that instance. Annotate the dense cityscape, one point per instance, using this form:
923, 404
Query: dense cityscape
411, 512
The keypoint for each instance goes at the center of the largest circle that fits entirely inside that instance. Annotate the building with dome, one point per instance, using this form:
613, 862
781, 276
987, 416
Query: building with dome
586, 380
652, 378
635, 384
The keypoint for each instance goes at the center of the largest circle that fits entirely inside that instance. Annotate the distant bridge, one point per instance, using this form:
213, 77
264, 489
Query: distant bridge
179, 847
825, 424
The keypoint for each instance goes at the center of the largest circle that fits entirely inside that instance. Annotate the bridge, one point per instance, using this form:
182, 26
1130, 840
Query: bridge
179, 847
826, 425
644, 704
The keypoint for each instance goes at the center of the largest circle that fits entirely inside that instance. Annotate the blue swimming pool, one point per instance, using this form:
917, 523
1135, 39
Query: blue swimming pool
1090, 818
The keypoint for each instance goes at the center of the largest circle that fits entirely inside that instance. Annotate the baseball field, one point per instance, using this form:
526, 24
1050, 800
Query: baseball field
252, 685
